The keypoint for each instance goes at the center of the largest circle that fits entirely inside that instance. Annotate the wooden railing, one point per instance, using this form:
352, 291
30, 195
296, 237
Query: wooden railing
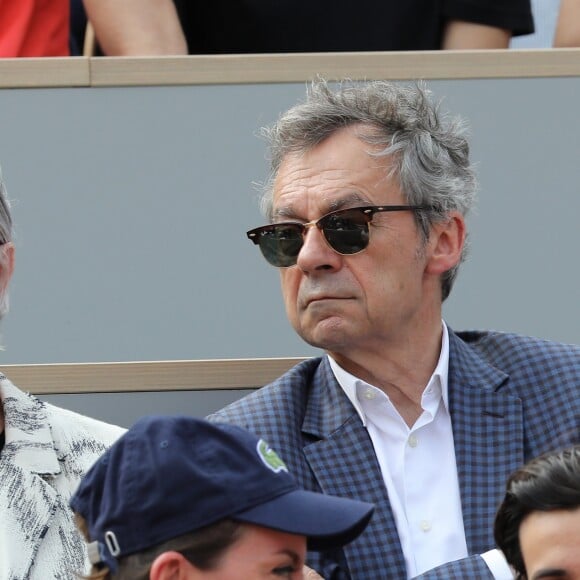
283, 68
178, 375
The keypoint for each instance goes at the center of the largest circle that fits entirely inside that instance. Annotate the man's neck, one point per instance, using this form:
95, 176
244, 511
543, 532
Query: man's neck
402, 370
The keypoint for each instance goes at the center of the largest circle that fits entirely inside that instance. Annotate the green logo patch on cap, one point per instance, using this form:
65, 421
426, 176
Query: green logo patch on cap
269, 457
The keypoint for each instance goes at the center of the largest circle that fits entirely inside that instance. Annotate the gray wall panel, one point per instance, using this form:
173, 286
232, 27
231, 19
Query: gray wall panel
131, 206
125, 408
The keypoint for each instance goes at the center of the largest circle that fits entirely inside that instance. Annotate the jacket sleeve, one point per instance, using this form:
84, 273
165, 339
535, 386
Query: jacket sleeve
471, 567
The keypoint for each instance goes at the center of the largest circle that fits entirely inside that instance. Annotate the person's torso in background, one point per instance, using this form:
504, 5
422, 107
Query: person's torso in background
34, 28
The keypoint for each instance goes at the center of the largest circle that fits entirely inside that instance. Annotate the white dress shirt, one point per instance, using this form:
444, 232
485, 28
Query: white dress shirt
419, 469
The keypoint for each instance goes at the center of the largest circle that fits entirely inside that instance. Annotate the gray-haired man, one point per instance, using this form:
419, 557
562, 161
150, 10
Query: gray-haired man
367, 200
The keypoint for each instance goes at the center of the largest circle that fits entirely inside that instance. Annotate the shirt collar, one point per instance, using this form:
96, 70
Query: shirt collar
438, 380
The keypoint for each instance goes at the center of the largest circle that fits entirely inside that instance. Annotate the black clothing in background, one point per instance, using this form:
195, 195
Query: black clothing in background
261, 26
78, 26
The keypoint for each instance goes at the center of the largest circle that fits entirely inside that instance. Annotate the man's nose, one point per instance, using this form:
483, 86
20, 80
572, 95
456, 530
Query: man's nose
315, 253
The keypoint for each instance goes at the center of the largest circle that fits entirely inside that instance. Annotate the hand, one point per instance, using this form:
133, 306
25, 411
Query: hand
310, 574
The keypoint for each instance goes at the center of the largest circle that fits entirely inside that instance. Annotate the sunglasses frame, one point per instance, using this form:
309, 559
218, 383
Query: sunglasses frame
256, 234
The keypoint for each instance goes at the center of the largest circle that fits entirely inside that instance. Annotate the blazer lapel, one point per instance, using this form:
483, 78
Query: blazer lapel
28, 501
488, 437
28, 505
344, 464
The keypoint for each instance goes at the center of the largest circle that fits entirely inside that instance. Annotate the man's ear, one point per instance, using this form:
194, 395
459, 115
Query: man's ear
171, 566
6, 264
446, 244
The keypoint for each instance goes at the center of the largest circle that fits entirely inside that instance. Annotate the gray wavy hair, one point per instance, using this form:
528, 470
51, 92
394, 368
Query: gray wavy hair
428, 151
6, 234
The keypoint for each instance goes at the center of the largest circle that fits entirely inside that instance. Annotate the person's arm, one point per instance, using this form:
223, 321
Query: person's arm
310, 574
462, 35
136, 27
491, 565
472, 567
568, 26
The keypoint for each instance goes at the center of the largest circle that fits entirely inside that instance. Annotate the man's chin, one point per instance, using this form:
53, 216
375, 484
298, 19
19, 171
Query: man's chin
328, 334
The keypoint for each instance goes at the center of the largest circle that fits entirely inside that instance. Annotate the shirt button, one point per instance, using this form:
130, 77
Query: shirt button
370, 394
413, 441
425, 525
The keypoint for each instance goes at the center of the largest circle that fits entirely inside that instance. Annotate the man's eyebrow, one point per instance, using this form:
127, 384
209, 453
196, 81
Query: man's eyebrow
353, 199
550, 573
294, 555
284, 212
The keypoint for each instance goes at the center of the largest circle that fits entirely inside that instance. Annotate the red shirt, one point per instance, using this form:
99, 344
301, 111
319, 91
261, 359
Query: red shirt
34, 28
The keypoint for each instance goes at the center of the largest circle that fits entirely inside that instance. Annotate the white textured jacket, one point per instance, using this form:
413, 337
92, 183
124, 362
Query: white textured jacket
47, 452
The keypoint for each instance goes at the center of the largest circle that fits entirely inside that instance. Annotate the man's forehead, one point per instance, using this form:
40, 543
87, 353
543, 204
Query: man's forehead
340, 158
319, 194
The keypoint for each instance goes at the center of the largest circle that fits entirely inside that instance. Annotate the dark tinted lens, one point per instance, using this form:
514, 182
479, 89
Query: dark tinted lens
281, 243
346, 231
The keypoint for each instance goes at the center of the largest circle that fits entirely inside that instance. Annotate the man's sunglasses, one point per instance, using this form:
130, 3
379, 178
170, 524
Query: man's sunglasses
346, 231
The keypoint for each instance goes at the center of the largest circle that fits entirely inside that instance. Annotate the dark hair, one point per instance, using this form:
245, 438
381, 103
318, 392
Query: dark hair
203, 548
549, 482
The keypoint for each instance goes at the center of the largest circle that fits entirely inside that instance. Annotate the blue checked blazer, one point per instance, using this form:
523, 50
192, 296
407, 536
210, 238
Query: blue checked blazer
510, 397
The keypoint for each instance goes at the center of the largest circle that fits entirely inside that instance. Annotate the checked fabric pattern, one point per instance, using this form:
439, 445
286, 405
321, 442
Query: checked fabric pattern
511, 398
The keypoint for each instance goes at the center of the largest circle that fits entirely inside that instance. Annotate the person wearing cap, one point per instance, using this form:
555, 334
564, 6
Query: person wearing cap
178, 497
44, 452
537, 525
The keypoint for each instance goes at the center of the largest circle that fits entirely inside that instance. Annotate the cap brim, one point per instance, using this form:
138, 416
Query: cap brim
328, 521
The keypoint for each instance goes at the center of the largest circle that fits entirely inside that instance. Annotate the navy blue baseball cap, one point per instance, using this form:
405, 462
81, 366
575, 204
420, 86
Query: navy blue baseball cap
172, 475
